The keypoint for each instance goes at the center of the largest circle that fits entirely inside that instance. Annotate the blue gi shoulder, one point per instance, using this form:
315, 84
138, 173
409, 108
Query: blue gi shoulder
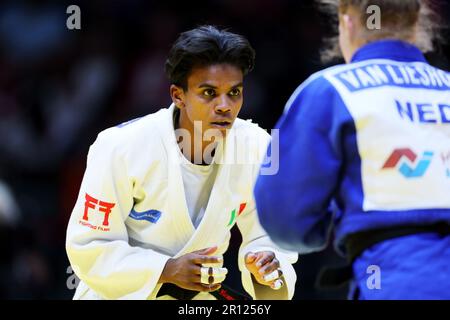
293, 204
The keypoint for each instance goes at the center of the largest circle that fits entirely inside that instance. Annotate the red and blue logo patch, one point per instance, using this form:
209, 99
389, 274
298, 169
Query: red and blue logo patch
408, 163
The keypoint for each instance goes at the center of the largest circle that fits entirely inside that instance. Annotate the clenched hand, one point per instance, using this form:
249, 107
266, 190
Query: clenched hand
185, 271
265, 268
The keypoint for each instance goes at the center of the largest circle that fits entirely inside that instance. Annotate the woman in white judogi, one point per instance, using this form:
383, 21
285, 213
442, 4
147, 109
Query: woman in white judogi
159, 195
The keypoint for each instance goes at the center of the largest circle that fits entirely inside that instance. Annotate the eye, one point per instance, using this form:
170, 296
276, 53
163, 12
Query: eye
209, 92
235, 92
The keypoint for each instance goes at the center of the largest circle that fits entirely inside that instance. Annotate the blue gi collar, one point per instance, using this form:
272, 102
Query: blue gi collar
389, 49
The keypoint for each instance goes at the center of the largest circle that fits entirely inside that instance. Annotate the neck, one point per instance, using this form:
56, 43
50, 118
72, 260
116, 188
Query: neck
354, 46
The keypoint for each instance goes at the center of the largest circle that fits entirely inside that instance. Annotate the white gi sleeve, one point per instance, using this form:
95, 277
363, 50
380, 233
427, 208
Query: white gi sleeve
255, 238
97, 239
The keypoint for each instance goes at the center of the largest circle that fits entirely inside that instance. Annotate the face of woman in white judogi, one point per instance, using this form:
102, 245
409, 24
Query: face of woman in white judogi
213, 98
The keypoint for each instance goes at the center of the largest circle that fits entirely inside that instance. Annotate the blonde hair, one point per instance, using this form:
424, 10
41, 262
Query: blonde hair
401, 19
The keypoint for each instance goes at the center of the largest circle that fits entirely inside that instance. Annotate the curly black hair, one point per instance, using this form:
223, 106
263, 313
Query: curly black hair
204, 46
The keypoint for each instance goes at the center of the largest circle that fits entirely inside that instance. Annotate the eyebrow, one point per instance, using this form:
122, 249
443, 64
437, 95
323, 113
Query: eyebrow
206, 85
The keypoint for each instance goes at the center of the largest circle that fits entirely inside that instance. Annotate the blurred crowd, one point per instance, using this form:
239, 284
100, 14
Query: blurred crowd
59, 88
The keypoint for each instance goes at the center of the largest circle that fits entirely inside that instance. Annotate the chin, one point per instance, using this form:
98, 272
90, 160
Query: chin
219, 133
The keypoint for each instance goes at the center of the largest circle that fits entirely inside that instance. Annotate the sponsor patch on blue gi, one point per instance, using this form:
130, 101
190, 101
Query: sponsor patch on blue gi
150, 215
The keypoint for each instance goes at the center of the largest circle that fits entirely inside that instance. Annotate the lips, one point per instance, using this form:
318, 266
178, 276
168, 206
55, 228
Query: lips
221, 124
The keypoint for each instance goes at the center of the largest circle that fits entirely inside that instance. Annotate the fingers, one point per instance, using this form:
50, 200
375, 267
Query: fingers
250, 257
204, 257
211, 279
206, 251
211, 271
277, 284
269, 267
274, 279
217, 279
273, 275
264, 258
210, 275
203, 260
205, 278
186, 271
215, 272
266, 268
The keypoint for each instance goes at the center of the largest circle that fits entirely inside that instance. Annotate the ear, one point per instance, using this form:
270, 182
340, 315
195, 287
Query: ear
177, 95
353, 27
348, 26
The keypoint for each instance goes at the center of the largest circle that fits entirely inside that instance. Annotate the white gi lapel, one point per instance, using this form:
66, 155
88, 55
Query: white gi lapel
176, 195
212, 230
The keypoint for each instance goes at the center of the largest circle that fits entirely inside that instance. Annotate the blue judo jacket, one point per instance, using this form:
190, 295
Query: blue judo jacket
364, 146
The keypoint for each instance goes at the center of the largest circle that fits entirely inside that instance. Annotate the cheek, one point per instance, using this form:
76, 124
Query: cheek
197, 110
238, 105
236, 102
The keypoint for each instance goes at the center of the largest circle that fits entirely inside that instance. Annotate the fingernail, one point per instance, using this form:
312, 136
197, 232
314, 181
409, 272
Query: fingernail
277, 284
271, 276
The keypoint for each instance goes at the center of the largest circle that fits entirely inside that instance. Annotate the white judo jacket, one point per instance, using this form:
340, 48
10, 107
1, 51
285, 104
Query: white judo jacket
131, 214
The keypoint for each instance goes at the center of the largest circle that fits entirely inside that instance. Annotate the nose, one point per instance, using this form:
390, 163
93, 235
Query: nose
223, 104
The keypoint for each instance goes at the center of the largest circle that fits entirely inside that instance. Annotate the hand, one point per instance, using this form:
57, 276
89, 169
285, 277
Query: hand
185, 271
265, 268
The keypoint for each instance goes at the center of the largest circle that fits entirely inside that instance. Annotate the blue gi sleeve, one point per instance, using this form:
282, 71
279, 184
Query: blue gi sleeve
293, 204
